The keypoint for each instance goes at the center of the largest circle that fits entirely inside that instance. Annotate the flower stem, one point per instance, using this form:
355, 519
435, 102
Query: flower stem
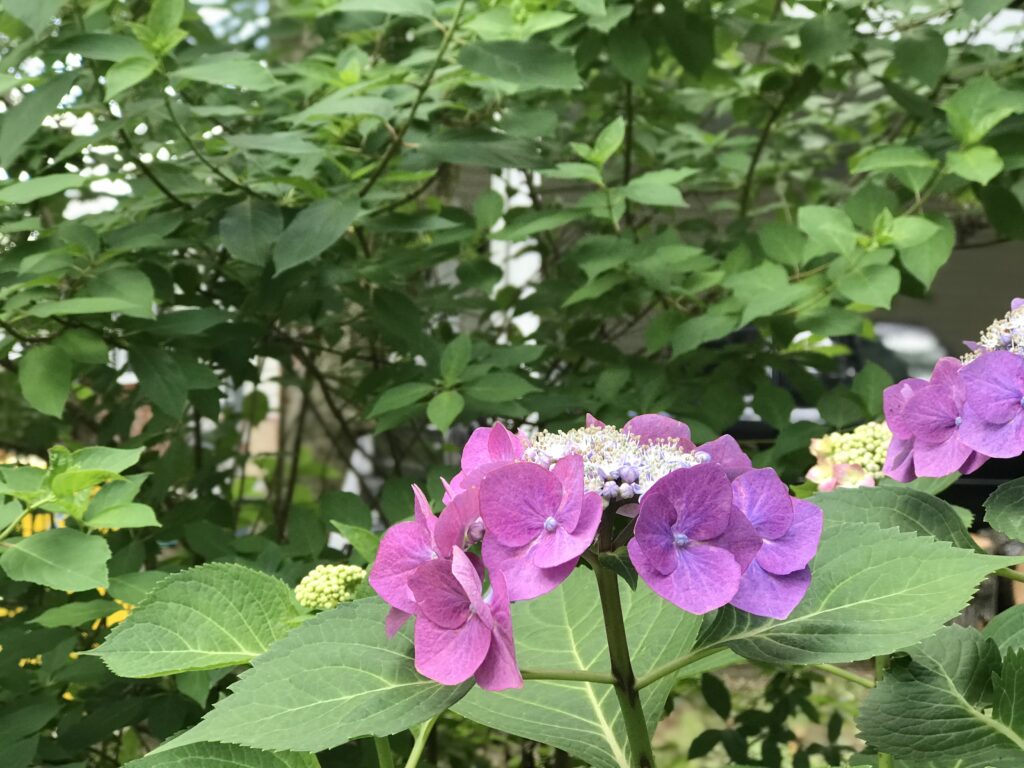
580, 675
421, 742
1010, 573
845, 674
622, 669
676, 664
881, 663
384, 757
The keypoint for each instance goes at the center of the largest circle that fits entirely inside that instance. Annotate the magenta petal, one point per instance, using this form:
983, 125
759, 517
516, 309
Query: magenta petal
973, 463
476, 451
1000, 441
499, 669
701, 496
946, 373
931, 414
995, 385
899, 460
502, 445
797, 547
562, 545
894, 402
422, 513
516, 500
765, 500
650, 427
404, 548
450, 656
440, 597
740, 538
569, 471
765, 594
395, 621
454, 523
726, 453
705, 578
593, 421
940, 459
653, 530
525, 580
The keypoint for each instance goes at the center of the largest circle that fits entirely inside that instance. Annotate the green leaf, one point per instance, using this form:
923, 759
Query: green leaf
530, 64
444, 408
499, 388
656, 188
867, 278
421, 8
76, 614
783, 243
922, 54
977, 164
108, 459
481, 147
363, 541
161, 380
690, 36
20, 124
978, 107
953, 698
334, 678
924, 260
315, 229
44, 375
564, 630
696, 331
103, 47
211, 616
229, 69
829, 228
1004, 509
165, 16
399, 397
824, 37
869, 384
23, 192
872, 592
608, 141
131, 515
629, 53
250, 229
213, 755
342, 103
765, 290
455, 358
1006, 629
123, 289
37, 15
910, 231
60, 558
128, 72
890, 158
910, 510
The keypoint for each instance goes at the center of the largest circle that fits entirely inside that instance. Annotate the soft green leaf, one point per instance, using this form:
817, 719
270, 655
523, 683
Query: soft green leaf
60, 558
455, 358
867, 278
530, 64
829, 228
1006, 629
37, 15
123, 74
924, 260
215, 615
1004, 509
977, 164
230, 69
342, 103
314, 230
480, 147
824, 37
608, 141
123, 289
629, 53
891, 157
104, 47
44, 374
165, 16
131, 515
859, 603
564, 630
213, 755
421, 8
868, 384
22, 192
499, 388
978, 107
922, 55
695, 331
76, 614
21, 123
765, 290
334, 678
250, 228
911, 231
399, 397
363, 541
444, 408
953, 700
161, 380
690, 36
783, 243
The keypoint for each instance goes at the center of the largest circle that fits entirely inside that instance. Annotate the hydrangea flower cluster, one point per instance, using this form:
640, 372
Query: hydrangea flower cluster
968, 411
850, 459
709, 530
327, 585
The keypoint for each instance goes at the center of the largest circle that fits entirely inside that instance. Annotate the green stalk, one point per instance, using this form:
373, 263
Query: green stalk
421, 742
885, 760
384, 757
622, 669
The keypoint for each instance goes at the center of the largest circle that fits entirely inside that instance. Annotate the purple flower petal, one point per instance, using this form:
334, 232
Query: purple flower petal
562, 545
765, 594
1000, 441
973, 463
946, 373
726, 453
653, 530
516, 501
488, 448
395, 621
797, 547
740, 538
899, 460
765, 500
422, 513
593, 421
569, 471
440, 597
499, 669
450, 656
995, 387
931, 414
894, 402
525, 580
706, 577
457, 520
404, 548
701, 497
940, 459
650, 427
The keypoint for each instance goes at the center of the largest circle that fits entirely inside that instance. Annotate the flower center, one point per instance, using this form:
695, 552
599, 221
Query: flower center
680, 539
958, 421
1022, 402
550, 524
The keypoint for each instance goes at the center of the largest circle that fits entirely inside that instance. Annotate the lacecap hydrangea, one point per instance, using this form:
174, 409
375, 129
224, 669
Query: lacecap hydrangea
969, 409
703, 529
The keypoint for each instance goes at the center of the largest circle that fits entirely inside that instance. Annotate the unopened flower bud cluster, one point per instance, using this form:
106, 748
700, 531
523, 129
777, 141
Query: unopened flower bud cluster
327, 585
865, 446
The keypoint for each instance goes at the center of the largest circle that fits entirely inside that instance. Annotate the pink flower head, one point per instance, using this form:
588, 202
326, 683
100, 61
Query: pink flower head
460, 633
487, 448
993, 416
538, 523
789, 529
650, 427
691, 544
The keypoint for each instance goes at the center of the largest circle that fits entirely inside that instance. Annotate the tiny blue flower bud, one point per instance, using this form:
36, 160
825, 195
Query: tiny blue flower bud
702, 456
550, 524
629, 474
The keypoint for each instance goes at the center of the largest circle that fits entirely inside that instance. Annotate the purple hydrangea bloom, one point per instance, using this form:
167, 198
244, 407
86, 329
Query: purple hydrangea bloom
691, 543
487, 448
726, 453
538, 523
899, 460
993, 418
460, 633
789, 530
651, 427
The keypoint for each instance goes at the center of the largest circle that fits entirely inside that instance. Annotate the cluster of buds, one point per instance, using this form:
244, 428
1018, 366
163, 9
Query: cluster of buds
850, 459
327, 585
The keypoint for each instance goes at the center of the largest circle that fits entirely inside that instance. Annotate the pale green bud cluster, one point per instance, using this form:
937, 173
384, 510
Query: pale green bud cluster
327, 585
865, 446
